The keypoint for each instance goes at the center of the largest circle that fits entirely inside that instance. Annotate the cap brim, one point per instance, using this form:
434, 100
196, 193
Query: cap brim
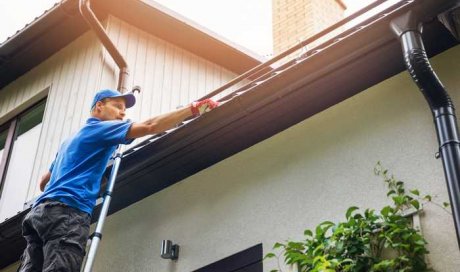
130, 99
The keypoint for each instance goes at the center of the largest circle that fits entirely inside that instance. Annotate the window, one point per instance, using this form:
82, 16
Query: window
18, 146
248, 260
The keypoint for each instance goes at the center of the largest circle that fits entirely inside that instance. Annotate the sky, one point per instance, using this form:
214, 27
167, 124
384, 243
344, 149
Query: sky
244, 22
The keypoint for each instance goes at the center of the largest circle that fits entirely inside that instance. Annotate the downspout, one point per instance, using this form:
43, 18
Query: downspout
89, 16
409, 32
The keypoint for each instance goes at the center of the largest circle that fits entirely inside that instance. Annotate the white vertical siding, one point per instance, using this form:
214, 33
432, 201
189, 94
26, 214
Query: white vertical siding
67, 102
169, 77
65, 78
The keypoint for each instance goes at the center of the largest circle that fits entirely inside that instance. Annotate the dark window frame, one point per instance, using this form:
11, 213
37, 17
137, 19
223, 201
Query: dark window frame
12, 127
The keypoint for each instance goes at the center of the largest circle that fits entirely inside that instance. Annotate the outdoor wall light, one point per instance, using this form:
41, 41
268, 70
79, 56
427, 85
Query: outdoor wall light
168, 250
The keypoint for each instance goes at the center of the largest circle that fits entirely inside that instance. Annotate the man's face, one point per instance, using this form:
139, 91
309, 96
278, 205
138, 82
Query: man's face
111, 109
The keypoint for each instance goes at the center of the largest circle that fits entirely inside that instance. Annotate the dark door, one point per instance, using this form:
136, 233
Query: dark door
248, 260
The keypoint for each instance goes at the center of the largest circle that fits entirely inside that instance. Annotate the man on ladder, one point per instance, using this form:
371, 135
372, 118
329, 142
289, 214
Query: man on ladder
57, 227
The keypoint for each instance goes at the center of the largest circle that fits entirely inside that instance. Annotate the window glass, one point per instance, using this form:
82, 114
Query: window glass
248, 260
21, 162
30, 119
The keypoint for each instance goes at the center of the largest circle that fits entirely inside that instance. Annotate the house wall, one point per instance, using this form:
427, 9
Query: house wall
294, 180
169, 77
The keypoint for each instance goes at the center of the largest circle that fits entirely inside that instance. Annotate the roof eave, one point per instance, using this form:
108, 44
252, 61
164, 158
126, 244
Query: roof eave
40, 39
62, 24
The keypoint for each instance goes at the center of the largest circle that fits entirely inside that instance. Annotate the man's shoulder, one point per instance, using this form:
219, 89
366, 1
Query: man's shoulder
105, 130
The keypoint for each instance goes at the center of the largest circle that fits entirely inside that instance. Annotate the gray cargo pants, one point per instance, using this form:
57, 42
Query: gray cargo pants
56, 236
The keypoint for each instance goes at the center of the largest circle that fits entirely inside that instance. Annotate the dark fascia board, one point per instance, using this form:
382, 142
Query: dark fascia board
314, 84
12, 244
62, 24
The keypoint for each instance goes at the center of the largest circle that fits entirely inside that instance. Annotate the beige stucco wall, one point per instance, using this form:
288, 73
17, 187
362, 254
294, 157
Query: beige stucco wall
294, 180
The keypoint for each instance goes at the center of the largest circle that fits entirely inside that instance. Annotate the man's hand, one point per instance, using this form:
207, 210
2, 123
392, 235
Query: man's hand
200, 107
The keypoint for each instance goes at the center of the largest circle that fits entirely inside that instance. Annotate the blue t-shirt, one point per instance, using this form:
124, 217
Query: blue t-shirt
77, 170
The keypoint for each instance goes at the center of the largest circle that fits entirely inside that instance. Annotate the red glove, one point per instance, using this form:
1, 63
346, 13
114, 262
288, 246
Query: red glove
200, 107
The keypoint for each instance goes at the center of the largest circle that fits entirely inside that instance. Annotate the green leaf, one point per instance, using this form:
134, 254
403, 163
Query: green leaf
427, 197
391, 192
350, 211
415, 192
322, 228
308, 232
278, 245
415, 204
295, 245
317, 250
269, 255
399, 200
386, 210
446, 204
347, 261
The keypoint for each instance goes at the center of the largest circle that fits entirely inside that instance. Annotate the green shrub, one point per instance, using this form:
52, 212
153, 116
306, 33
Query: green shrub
366, 241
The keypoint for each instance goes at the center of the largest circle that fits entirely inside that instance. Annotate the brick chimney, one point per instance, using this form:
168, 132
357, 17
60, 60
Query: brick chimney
296, 20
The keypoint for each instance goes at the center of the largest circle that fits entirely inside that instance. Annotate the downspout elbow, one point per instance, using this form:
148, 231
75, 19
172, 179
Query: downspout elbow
417, 62
91, 19
419, 67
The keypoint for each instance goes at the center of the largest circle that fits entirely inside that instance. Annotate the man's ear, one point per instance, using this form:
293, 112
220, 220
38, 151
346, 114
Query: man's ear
98, 105
94, 110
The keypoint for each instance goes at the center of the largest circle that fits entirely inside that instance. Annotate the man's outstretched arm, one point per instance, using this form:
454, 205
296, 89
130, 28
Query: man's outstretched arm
169, 120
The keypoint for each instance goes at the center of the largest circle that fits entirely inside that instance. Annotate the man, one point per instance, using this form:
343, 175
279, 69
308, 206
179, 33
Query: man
57, 227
